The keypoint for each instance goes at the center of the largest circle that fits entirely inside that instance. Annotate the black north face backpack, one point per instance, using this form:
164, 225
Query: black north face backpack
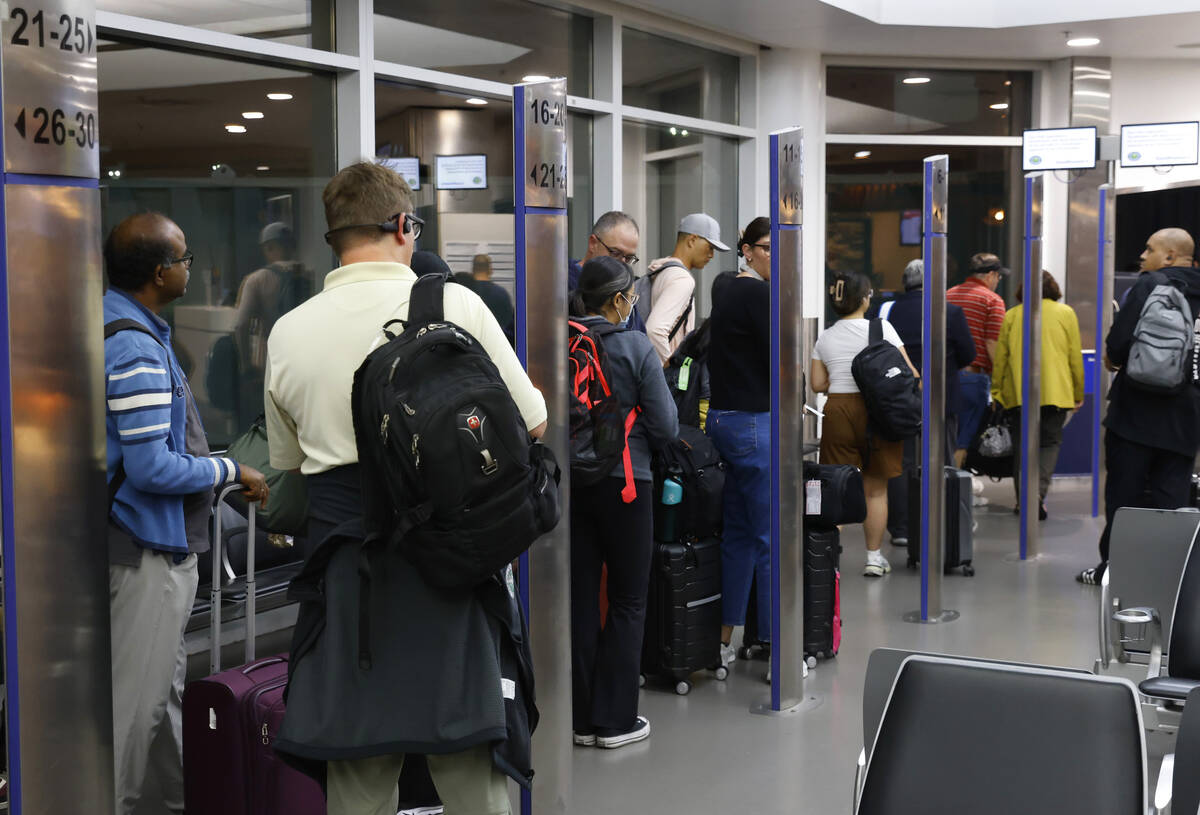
449, 473
888, 387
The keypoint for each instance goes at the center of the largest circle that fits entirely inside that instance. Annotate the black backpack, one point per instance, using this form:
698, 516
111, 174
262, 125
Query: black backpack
892, 393
686, 372
694, 462
449, 473
600, 425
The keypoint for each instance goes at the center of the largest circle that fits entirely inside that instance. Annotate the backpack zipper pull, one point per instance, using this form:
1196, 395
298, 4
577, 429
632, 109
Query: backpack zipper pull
416, 453
383, 427
266, 736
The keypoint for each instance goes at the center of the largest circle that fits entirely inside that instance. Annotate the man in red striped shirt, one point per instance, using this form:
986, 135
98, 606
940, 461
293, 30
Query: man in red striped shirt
984, 310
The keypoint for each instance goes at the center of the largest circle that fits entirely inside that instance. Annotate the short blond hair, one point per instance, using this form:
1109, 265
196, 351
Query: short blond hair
363, 193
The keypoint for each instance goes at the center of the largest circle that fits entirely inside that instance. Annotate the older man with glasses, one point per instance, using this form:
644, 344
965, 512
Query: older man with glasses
616, 235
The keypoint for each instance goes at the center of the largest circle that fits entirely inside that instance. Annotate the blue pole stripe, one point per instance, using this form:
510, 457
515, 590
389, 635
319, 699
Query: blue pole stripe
1032, 284
1098, 362
927, 478
50, 180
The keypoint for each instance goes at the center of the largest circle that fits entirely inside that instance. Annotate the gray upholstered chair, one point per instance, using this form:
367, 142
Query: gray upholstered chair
993, 739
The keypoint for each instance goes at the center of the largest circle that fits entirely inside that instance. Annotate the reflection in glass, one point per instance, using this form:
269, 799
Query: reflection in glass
307, 23
676, 77
249, 203
667, 176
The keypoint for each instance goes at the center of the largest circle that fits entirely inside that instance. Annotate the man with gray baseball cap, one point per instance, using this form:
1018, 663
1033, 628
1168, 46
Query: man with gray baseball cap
665, 292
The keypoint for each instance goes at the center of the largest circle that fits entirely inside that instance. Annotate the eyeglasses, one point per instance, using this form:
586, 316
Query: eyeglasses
412, 225
617, 253
632, 300
766, 247
186, 260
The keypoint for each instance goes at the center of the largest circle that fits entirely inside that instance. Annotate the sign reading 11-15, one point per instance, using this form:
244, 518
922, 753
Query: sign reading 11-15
49, 75
545, 144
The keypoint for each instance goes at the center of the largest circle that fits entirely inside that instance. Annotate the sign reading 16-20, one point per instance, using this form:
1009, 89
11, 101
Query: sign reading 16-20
545, 144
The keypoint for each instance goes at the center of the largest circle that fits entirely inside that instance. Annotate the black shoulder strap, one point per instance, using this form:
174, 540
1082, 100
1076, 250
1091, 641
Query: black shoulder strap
425, 302
681, 321
123, 324
875, 333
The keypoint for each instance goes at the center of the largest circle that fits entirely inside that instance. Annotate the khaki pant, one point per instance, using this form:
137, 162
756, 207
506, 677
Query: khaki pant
467, 783
148, 608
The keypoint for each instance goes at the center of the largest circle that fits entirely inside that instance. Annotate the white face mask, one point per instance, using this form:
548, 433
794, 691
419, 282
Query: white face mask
625, 319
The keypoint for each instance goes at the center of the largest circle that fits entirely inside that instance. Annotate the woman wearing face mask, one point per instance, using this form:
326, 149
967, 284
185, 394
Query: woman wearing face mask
739, 423
612, 524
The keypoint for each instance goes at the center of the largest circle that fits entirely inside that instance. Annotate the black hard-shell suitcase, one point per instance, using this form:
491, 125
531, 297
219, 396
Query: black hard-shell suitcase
683, 612
960, 522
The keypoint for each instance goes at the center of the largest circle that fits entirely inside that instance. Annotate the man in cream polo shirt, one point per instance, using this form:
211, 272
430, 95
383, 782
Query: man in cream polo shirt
434, 685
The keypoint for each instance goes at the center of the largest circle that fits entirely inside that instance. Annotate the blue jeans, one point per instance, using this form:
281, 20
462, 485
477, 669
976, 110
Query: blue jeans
744, 441
974, 391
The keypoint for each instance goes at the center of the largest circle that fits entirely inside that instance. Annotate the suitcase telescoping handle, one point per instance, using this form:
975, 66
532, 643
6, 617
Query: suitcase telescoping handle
214, 659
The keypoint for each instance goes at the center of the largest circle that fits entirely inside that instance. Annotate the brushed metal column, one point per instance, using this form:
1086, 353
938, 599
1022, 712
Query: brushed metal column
540, 220
933, 393
1031, 366
788, 363
1105, 236
52, 442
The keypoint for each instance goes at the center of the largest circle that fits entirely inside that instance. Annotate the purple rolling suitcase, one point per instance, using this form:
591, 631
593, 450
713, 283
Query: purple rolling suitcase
230, 720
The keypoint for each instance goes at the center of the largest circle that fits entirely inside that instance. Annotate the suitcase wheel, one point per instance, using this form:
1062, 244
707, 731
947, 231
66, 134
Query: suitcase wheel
683, 687
968, 570
721, 673
912, 563
810, 661
744, 652
641, 680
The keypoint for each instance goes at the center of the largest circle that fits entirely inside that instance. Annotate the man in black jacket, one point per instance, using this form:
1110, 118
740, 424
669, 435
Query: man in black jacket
1152, 438
905, 313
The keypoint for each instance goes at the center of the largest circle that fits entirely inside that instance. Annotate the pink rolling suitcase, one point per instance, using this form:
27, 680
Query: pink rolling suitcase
231, 718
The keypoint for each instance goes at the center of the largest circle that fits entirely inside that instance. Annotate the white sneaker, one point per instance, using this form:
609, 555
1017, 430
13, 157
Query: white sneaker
877, 565
980, 501
976, 485
728, 654
639, 732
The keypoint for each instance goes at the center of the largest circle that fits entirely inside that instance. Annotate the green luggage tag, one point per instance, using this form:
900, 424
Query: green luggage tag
685, 373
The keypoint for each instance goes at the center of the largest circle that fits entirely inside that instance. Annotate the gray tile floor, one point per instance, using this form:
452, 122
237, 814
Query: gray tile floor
708, 754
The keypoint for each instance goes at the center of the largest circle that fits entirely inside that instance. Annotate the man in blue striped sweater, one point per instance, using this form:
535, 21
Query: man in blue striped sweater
160, 483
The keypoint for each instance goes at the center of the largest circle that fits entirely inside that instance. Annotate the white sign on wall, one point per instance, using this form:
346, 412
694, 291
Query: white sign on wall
1167, 144
1064, 148
467, 172
407, 168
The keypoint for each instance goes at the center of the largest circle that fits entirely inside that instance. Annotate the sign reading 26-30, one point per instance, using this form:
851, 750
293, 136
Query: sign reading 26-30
545, 144
48, 48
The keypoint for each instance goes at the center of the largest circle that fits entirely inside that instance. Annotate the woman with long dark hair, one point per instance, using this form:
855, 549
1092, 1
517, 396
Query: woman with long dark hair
612, 522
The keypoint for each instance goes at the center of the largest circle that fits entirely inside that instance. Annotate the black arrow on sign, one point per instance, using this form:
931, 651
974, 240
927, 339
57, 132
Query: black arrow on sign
21, 123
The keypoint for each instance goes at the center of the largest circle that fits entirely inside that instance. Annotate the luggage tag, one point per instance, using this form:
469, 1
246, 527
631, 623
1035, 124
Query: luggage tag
685, 373
812, 496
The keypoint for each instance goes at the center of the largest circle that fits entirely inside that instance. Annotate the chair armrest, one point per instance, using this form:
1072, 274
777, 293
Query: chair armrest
860, 771
1143, 616
1106, 639
1162, 791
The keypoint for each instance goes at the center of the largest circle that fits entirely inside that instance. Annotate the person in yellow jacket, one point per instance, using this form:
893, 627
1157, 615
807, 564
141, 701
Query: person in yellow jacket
1062, 379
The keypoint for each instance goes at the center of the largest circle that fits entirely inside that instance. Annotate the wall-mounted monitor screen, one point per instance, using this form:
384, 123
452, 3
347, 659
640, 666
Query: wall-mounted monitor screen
1168, 144
910, 227
407, 168
466, 172
1063, 148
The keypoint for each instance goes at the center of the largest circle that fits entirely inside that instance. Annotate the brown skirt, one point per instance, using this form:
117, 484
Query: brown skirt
844, 439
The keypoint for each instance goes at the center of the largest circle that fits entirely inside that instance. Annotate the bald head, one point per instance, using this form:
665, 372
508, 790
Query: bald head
1168, 247
138, 246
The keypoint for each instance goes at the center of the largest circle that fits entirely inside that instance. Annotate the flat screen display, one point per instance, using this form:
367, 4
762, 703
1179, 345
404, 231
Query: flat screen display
407, 168
466, 172
910, 227
1168, 144
1063, 148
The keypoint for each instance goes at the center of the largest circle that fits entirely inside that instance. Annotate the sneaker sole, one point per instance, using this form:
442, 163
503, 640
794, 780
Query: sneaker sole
613, 742
876, 571
585, 741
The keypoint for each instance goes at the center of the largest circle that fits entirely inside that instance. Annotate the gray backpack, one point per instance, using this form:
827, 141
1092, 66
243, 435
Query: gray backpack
644, 288
1160, 359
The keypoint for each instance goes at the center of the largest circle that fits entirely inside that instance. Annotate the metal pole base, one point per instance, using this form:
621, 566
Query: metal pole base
1015, 557
790, 706
947, 615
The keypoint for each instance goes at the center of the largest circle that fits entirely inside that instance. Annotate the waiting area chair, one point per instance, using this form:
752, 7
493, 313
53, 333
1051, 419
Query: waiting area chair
1168, 687
988, 738
1178, 789
1147, 553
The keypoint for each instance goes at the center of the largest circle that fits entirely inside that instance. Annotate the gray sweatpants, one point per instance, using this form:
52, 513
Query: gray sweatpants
149, 606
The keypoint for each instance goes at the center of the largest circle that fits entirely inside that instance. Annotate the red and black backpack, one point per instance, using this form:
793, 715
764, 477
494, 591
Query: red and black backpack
600, 425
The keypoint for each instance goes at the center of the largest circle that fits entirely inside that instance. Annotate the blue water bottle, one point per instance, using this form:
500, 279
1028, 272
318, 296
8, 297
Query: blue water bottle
672, 495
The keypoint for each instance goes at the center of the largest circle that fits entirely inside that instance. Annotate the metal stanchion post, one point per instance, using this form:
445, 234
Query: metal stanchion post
1031, 366
1104, 315
540, 220
933, 394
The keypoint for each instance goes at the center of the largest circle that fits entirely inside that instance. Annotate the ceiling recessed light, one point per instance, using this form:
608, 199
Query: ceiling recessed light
1082, 42
475, 100
916, 80
279, 97
252, 114
862, 154
673, 131
236, 128
999, 106
262, 168
682, 132
535, 78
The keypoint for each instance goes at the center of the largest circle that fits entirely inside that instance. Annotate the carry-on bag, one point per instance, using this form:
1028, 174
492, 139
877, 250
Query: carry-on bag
231, 718
683, 612
833, 494
991, 451
960, 521
697, 474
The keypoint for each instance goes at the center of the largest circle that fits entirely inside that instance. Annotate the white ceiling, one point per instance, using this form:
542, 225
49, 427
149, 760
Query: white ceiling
816, 25
1001, 13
